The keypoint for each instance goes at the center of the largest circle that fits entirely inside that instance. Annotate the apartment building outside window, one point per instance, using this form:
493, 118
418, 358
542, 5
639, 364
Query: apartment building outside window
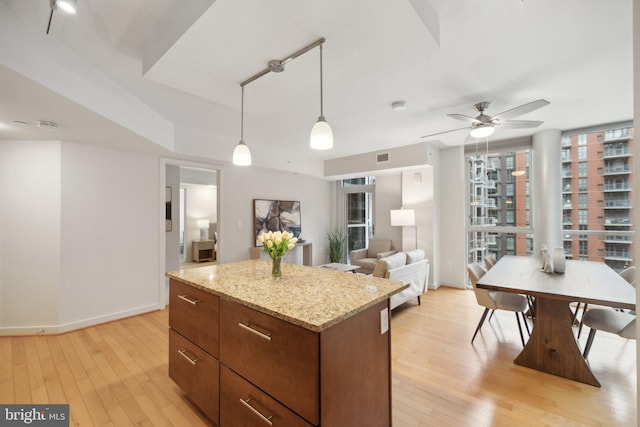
499, 204
598, 224
597, 199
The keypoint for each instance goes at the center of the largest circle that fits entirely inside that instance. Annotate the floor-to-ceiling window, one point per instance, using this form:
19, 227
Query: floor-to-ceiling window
359, 211
597, 192
499, 201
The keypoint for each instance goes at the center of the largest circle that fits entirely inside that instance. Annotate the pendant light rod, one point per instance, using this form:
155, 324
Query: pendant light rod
242, 114
321, 90
282, 62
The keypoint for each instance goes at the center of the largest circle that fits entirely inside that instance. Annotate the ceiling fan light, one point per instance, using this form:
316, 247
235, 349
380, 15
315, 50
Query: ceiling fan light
69, 6
242, 155
482, 131
321, 135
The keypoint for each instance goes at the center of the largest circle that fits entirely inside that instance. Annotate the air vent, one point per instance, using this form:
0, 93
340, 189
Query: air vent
382, 157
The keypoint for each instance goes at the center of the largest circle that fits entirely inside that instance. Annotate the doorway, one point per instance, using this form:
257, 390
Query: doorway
192, 217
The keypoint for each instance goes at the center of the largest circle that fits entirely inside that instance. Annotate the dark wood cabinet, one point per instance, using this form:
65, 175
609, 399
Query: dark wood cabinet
280, 358
244, 405
262, 369
196, 372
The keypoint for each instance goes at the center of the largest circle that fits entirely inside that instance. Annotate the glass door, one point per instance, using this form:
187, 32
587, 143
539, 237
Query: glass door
359, 219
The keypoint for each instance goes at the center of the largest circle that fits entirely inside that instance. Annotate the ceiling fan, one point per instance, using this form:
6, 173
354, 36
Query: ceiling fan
484, 125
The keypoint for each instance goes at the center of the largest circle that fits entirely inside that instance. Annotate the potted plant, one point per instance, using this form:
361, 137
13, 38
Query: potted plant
336, 245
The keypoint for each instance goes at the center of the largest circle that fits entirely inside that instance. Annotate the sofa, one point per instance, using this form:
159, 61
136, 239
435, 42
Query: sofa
366, 258
411, 267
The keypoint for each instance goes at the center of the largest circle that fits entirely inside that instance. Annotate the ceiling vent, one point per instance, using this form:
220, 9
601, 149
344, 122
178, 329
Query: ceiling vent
382, 157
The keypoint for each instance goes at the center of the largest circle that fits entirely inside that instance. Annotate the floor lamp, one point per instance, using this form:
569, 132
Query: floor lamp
406, 218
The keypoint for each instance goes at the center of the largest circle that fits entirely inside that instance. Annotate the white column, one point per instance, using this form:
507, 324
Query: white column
546, 170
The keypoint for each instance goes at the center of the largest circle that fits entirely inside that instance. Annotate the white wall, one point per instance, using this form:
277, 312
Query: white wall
388, 195
240, 185
79, 230
417, 194
109, 234
29, 235
452, 214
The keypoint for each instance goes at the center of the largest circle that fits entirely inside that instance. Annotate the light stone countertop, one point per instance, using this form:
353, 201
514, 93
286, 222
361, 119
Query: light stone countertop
314, 298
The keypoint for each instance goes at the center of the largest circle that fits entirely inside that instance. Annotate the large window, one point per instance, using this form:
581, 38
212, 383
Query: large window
499, 204
600, 227
359, 211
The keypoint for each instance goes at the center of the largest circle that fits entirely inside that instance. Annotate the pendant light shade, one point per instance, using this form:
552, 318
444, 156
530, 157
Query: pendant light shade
69, 6
242, 154
321, 134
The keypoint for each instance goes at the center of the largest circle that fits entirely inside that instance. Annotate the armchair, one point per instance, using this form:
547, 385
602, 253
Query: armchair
366, 258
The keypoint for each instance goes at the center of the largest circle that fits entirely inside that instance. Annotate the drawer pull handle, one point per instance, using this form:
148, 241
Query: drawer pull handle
255, 411
248, 327
183, 353
189, 299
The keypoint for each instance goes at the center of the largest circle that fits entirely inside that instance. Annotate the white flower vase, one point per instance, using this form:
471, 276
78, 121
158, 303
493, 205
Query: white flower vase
559, 262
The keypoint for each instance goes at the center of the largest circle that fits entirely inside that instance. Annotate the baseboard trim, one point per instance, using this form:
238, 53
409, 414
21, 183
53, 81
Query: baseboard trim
79, 324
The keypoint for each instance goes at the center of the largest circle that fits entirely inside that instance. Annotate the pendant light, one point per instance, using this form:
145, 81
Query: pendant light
242, 154
69, 6
321, 135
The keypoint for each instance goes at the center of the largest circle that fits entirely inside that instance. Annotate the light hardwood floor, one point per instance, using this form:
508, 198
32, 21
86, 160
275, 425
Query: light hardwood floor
116, 374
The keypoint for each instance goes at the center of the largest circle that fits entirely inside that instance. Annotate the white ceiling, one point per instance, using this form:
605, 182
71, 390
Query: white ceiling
186, 60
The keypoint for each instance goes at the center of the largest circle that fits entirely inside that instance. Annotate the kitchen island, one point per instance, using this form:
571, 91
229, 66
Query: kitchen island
310, 349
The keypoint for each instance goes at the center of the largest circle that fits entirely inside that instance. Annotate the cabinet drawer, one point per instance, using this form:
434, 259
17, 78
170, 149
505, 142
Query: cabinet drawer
202, 245
280, 358
244, 405
194, 313
197, 374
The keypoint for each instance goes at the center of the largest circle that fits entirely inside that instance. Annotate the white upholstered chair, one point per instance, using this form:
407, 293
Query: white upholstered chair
490, 261
604, 319
496, 300
366, 258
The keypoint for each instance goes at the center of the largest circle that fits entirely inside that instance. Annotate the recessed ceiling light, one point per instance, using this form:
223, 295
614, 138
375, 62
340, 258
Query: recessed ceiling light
45, 124
399, 106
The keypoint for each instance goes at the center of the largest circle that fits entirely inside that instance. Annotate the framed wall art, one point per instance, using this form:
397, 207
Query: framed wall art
276, 215
167, 209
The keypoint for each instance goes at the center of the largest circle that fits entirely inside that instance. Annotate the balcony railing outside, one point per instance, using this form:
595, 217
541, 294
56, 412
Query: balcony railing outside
612, 253
622, 203
616, 152
609, 169
618, 239
608, 186
613, 134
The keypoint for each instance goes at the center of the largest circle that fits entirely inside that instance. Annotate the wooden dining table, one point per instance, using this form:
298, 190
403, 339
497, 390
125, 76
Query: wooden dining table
553, 347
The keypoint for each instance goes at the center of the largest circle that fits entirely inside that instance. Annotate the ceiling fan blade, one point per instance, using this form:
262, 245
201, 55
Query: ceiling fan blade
446, 131
523, 109
519, 124
464, 118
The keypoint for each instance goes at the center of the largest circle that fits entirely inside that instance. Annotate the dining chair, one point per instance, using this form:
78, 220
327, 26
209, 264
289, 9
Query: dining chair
496, 300
628, 274
615, 322
490, 261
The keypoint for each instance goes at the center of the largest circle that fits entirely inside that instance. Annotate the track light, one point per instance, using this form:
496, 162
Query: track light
321, 135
